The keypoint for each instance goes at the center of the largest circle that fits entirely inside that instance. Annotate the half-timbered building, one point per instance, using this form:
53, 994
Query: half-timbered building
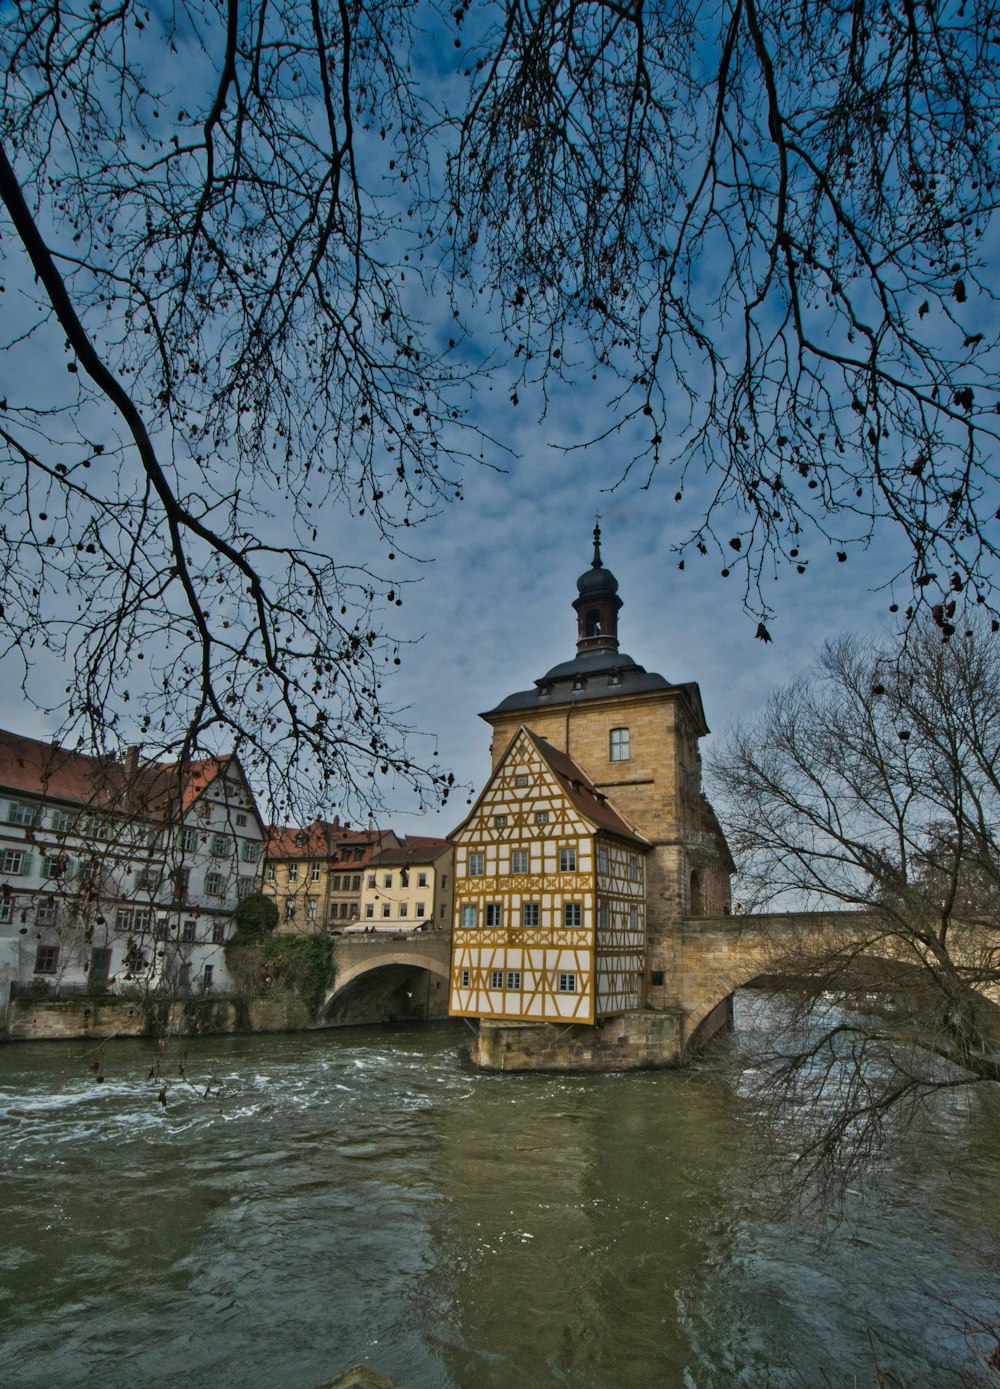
549, 921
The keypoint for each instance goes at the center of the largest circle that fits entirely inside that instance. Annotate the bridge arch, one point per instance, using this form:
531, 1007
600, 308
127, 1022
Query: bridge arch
388, 980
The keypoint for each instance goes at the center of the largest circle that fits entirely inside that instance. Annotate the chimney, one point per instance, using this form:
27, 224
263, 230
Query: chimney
132, 761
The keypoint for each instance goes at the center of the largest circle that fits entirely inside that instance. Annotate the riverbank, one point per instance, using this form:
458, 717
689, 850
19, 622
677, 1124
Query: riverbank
103, 1016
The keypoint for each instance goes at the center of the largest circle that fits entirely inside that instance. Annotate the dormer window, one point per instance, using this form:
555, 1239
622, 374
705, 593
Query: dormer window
615, 678
579, 683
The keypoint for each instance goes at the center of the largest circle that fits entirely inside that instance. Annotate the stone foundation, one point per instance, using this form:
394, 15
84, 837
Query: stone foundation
643, 1040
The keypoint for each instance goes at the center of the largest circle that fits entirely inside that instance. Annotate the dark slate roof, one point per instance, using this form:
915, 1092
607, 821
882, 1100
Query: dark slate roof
600, 675
414, 850
585, 796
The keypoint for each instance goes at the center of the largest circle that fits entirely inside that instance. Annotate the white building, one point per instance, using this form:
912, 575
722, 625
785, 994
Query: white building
120, 874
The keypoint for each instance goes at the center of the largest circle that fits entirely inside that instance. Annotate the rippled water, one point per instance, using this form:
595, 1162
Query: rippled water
364, 1195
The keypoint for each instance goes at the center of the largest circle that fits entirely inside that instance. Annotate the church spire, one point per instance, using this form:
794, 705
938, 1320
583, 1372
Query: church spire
597, 545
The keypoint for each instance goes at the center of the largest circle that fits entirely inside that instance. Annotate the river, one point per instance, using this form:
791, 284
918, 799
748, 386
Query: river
364, 1195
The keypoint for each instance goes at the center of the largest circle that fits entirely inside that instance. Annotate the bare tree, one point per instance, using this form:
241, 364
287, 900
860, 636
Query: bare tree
231, 224
232, 289
772, 225
875, 785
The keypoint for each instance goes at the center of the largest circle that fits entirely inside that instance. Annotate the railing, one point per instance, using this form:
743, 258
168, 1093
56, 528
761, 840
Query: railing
40, 990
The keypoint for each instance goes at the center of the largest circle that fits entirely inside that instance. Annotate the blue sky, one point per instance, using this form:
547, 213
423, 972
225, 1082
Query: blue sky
489, 582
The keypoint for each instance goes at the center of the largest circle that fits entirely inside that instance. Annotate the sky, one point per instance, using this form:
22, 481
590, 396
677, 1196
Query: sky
489, 581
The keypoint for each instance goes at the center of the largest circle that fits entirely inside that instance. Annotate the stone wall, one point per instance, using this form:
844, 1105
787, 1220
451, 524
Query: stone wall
46, 1019
639, 1041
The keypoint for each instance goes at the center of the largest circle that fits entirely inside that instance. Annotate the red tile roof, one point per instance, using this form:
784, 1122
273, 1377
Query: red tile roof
322, 839
131, 785
413, 849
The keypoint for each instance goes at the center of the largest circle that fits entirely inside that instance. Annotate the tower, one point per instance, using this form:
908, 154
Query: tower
620, 744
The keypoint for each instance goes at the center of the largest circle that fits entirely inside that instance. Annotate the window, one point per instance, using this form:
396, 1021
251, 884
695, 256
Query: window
387, 880
6, 909
207, 976
442, 911
293, 872
618, 745
541, 817
123, 919
250, 852
314, 873
404, 877
19, 814
499, 821
289, 908
215, 885
496, 978
567, 983
218, 934
54, 865
220, 846
403, 910
529, 914
188, 840
633, 919
335, 884
477, 865
572, 914
602, 860
604, 916
241, 821
371, 880
656, 978
633, 867
46, 959
444, 881
15, 862
494, 913
190, 930
62, 821
513, 979
369, 909
386, 911
421, 880
311, 908
519, 861
466, 976
45, 911
244, 888
355, 883
567, 860
421, 909
469, 917
140, 921
269, 873
345, 909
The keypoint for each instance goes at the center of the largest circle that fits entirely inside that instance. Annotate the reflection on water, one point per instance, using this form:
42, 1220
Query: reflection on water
364, 1195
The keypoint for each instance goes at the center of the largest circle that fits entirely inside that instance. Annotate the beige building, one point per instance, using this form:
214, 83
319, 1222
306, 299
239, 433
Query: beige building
315, 874
408, 886
597, 736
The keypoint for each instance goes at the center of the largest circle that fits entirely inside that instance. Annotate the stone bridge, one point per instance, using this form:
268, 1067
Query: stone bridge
697, 963
706, 958
383, 977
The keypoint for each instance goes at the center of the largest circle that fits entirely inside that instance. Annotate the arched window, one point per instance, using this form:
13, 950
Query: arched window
593, 622
696, 901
